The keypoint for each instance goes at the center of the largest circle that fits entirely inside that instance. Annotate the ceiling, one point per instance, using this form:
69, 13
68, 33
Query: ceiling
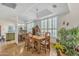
27, 11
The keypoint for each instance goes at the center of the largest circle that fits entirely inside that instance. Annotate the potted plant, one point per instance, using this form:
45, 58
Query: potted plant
69, 39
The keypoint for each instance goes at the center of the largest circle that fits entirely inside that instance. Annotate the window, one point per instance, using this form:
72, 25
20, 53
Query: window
54, 22
54, 32
44, 26
49, 25
11, 28
30, 26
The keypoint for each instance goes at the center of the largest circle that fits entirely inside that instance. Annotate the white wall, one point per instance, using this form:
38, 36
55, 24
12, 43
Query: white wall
72, 17
4, 26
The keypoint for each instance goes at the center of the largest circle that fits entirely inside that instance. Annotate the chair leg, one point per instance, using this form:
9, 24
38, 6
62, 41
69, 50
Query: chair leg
45, 49
32, 50
28, 47
25, 45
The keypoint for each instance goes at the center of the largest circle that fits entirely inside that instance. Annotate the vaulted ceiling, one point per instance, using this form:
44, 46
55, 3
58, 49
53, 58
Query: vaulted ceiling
27, 11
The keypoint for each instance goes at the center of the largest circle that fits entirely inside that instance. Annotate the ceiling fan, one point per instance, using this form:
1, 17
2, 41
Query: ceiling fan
11, 5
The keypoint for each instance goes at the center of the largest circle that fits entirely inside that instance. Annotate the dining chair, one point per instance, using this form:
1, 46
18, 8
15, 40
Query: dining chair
26, 39
30, 42
45, 43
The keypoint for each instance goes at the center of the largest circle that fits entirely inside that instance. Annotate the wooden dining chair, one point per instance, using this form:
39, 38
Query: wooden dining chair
30, 42
26, 39
45, 43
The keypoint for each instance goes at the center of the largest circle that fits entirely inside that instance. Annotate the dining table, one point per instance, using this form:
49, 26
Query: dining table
38, 40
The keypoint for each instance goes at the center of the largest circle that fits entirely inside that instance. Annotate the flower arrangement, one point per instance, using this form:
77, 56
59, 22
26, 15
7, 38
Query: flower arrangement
59, 48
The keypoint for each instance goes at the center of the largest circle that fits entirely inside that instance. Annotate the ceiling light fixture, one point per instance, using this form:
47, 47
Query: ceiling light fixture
54, 6
37, 16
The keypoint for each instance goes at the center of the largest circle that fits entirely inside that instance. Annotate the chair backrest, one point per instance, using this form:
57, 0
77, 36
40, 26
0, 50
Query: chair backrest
30, 36
47, 35
26, 36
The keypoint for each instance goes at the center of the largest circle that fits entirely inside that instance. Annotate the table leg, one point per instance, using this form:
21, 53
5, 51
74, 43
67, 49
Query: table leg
39, 46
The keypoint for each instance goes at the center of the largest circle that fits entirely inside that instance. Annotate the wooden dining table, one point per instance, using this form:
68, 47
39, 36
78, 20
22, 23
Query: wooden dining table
38, 40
